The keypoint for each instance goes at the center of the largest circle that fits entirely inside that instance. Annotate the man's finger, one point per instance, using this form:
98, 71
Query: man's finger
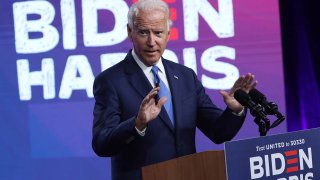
224, 94
161, 102
153, 93
150, 97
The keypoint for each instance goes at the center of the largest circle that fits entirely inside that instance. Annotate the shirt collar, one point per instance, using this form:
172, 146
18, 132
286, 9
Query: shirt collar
143, 66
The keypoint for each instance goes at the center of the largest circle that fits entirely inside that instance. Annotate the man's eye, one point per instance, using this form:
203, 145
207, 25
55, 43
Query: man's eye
142, 32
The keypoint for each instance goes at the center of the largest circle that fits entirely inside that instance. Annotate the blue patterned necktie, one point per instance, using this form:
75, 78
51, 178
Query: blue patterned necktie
164, 91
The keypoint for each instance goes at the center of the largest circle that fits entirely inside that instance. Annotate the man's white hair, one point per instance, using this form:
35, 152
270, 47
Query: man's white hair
148, 5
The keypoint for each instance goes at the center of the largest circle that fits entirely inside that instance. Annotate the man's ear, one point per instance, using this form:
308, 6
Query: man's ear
168, 35
129, 31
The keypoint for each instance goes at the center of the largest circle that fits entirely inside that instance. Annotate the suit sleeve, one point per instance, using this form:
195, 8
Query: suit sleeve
218, 125
109, 134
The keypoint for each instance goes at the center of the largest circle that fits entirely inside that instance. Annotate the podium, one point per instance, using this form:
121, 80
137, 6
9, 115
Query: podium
204, 165
288, 156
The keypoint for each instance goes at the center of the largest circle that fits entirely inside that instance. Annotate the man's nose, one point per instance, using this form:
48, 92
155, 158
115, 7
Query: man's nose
151, 40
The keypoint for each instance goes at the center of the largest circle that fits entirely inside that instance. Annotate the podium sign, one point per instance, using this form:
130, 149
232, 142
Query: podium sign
290, 156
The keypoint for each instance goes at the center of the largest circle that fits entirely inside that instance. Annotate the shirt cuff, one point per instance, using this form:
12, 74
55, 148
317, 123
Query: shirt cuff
241, 113
142, 132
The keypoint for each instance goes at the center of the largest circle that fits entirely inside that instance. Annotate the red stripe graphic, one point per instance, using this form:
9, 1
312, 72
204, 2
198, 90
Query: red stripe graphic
169, 1
173, 14
292, 161
174, 34
291, 153
292, 169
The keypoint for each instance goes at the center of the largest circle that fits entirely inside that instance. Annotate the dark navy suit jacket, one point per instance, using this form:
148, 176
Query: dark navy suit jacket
118, 92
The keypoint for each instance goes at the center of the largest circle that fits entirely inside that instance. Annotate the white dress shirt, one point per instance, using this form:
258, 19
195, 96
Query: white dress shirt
147, 70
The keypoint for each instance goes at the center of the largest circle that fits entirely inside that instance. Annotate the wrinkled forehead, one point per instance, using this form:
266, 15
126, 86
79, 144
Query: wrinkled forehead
154, 12
155, 17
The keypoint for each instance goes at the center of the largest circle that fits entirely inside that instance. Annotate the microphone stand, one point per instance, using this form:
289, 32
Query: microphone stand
264, 125
261, 120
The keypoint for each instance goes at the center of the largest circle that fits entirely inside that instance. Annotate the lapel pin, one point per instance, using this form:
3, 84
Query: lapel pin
175, 77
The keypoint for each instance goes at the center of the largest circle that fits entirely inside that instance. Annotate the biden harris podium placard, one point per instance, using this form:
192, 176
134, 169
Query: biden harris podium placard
290, 156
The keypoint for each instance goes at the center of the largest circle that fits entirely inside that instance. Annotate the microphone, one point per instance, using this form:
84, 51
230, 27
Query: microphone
255, 109
269, 107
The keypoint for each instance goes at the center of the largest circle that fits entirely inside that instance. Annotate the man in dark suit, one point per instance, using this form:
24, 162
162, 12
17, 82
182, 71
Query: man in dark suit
137, 126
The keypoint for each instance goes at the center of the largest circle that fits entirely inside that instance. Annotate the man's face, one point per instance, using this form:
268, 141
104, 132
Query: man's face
149, 35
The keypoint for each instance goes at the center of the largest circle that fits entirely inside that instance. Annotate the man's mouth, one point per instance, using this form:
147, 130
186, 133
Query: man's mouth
151, 52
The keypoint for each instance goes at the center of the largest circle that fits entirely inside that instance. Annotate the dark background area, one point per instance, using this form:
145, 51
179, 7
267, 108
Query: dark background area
300, 26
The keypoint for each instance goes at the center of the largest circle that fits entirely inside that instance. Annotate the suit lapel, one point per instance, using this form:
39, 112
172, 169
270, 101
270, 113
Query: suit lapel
136, 77
174, 83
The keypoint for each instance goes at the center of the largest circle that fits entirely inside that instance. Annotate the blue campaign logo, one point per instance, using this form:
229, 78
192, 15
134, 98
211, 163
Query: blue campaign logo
290, 156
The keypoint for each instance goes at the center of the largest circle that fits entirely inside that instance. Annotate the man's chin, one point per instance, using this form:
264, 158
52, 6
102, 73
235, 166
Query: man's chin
151, 60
